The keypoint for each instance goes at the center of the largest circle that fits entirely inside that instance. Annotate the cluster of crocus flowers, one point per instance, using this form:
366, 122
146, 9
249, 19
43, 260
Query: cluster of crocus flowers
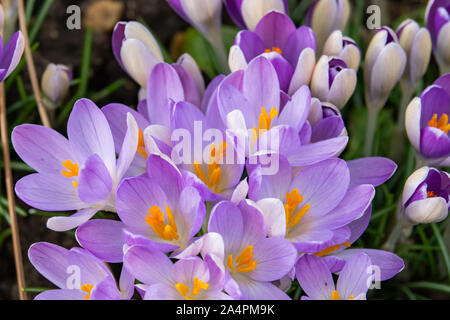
204, 218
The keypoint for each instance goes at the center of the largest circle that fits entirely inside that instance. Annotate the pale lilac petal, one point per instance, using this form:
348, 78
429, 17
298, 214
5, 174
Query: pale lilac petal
355, 278
169, 178
103, 238
61, 294
94, 181
250, 44
274, 29
314, 277
313, 153
105, 290
298, 41
129, 147
296, 111
253, 222
89, 133
162, 291
192, 209
257, 290
374, 171
274, 216
41, 148
67, 223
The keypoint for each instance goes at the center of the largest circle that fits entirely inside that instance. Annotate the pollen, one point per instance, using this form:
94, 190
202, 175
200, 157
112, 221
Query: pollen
213, 177
274, 49
335, 296
198, 286
431, 194
156, 220
332, 249
265, 121
244, 262
293, 200
71, 171
441, 124
87, 288
141, 145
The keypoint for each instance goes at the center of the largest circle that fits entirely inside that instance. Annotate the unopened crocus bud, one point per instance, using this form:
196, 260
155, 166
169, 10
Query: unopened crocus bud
416, 42
326, 121
326, 16
426, 196
10, 54
247, 13
189, 64
332, 81
55, 84
344, 48
136, 50
437, 18
427, 122
384, 66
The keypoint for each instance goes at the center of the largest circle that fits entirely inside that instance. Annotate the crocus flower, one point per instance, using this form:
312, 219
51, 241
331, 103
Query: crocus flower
78, 274
438, 23
80, 173
136, 50
11, 54
426, 196
247, 13
416, 42
383, 67
253, 110
238, 238
426, 122
332, 81
316, 279
326, 16
344, 48
325, 121
311, 207
291, 50
55, 84
187, 279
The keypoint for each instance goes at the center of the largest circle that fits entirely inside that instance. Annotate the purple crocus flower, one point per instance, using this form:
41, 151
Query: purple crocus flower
247, 13
426, 196
11, 54
254, 109
291, 50
316, 279
343, 48
187, 279
78, 274
426, 121
437, 18
157, 209
313, 207
252, 261
80, 173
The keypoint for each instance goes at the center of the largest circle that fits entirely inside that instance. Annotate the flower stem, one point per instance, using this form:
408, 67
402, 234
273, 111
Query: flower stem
372, 116
216, 41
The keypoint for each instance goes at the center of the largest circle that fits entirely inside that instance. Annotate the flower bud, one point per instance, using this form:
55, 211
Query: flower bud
427, 121
204, 15
326, 121
55, 83
136, 50
11, 54
437, 18
332, 81
384, 66
343, 48
416, 42
189, 64
326, 16
247, 13
426, 196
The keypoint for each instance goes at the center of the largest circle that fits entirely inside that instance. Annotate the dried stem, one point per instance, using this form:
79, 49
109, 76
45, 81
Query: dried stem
30, 65
10, 195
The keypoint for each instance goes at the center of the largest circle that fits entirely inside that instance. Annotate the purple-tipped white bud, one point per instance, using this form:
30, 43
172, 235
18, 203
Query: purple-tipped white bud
384, 66
247, 13
416, 42
438, 23
332, 81
326, 16
55, 83
192, 67
136, 50
426, 196
343, 48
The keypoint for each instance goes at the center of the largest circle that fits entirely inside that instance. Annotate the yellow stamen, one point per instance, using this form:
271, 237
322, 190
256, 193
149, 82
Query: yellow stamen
244, 262
293, 199
335, 295
72, 171
155, 219
274, 49
431, 194
141, 145
214, 176
441, 124
331, 249
198, 286
87, 288
265, 122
